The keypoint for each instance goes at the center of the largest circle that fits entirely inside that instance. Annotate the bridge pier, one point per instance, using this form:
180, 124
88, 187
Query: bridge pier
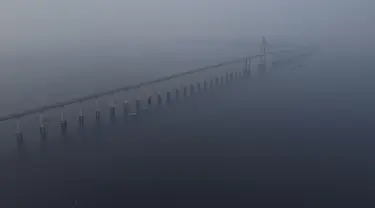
43, 132
160, 100
149, 102
80, 117
97, 111
42, 127
112, 109
247, 70
168, 99
191, 90
177, 94
19, 134
138, 107
126, 108
97, 115
64, 127
63, 123
185, 92
112, 112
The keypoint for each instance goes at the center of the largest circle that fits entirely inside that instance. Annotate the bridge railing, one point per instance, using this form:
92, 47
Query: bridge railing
58, 118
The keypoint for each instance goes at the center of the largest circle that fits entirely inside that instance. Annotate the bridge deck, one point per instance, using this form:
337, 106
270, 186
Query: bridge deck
273, 141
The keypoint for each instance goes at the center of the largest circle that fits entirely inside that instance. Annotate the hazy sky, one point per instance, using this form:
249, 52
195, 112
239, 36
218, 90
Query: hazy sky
53, 22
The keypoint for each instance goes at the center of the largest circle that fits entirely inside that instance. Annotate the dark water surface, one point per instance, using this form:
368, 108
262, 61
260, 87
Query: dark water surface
300, 137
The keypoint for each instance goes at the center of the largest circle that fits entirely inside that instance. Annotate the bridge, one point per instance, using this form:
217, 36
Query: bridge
255, 131
134, 100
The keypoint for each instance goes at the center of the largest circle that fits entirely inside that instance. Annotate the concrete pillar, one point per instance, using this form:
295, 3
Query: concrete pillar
112, 111
63, 123
42, 127
191, 89
138, 106
177, 94
205, 85
97, 115
126, 108
247, 69
185, 92
168, 99
160, 100
97, 111
149, 102
81, 120
19, 134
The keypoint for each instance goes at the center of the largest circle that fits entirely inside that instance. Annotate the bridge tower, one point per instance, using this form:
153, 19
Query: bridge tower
263, 57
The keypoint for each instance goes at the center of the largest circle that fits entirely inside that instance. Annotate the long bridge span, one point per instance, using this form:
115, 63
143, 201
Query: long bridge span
284, 130
134, 99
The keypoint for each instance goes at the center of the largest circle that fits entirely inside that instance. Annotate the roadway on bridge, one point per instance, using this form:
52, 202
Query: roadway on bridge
300, 136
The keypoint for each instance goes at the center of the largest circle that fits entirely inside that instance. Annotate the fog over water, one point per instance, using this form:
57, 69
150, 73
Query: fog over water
53, 50
301, 135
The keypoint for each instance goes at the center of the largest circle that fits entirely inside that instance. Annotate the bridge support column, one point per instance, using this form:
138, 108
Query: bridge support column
211, 83
138, 107
149, 102
97, 115
247, 68
160, 100
97, 111
63, 123
112, 109
19, 134
198, 86
191, 90
168, 99
112, 112
205, 85
42, 127
216, 81
126, 108
177, 94
80, 117
185, 92
64, 127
